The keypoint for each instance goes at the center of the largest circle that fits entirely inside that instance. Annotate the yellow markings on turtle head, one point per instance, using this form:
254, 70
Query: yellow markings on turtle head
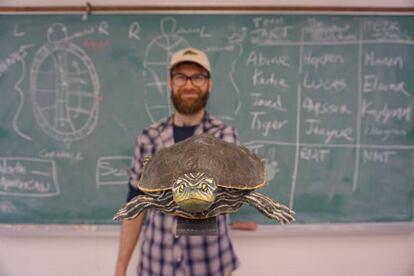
194, 192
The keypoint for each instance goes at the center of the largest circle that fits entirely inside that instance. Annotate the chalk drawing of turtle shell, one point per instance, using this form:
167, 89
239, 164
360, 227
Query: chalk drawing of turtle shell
157, 58
64, 91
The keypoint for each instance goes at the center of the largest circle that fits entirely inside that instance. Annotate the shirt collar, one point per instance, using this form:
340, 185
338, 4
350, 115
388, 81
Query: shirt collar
167, 135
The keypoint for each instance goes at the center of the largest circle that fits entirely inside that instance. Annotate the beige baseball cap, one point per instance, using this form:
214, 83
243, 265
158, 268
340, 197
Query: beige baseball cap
190, 55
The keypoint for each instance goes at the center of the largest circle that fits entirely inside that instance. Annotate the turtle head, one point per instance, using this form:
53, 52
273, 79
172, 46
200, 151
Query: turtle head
194, 192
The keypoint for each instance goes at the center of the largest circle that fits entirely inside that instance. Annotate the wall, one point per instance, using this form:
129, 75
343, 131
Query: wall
322, 252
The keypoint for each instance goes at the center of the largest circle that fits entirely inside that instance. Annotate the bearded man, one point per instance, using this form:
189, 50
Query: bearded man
162, 251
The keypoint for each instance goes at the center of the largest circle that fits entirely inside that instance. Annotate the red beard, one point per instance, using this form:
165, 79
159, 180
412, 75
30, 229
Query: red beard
189, 106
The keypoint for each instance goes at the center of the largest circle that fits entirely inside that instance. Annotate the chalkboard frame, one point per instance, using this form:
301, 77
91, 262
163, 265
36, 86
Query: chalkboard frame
89, 9
292, 230
265, 230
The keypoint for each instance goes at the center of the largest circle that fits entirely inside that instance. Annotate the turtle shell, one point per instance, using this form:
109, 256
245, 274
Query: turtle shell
231, 166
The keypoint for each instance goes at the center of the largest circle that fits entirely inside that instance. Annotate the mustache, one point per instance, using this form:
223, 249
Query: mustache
189, 91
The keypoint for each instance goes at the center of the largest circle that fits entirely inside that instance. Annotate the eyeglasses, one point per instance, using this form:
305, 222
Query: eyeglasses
196, 79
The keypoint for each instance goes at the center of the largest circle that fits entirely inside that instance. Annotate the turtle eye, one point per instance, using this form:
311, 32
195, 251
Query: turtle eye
181, 188
204, 187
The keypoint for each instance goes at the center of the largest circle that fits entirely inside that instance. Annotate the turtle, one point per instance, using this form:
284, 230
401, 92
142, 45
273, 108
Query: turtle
203, 177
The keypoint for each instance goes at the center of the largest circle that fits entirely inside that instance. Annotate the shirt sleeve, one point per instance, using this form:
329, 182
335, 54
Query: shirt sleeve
133, 191
144, 147
229, 134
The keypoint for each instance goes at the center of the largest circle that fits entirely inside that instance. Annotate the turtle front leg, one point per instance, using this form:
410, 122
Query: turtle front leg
134, 207
161, 201
269, 207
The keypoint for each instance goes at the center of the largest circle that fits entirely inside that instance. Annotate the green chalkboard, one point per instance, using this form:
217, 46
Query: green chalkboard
326, 100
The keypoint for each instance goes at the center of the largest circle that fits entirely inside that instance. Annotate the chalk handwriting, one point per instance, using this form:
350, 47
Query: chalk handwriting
237, 36
385, 133
112, 170
260, 123
103, 28
28, 177
106, 170
260, 78
14, 57
385, 30
200, 31
385, 114
317, 108
266, 22
314, 154
271, 36
371, 59
133, 32
322, 32
259, 60
16, 32
324, 59
82, 33
227, 48
18, 185
95, 44
60, 155
372, 83
315, 128
377, 156
259, 100
336, 85
12, 169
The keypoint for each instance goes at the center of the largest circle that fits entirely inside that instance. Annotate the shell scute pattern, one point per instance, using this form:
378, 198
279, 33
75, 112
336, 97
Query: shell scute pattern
232, 166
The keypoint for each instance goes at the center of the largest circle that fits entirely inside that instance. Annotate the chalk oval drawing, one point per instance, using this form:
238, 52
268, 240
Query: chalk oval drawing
64, 88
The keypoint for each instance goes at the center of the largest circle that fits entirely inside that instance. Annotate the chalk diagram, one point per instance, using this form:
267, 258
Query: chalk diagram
270, 162
156, 60
64, 88
19, 57
235, 39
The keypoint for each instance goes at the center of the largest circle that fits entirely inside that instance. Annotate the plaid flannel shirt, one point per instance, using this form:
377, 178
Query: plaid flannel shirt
164, 253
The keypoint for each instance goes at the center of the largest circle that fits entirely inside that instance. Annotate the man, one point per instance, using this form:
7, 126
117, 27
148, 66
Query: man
162, 252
